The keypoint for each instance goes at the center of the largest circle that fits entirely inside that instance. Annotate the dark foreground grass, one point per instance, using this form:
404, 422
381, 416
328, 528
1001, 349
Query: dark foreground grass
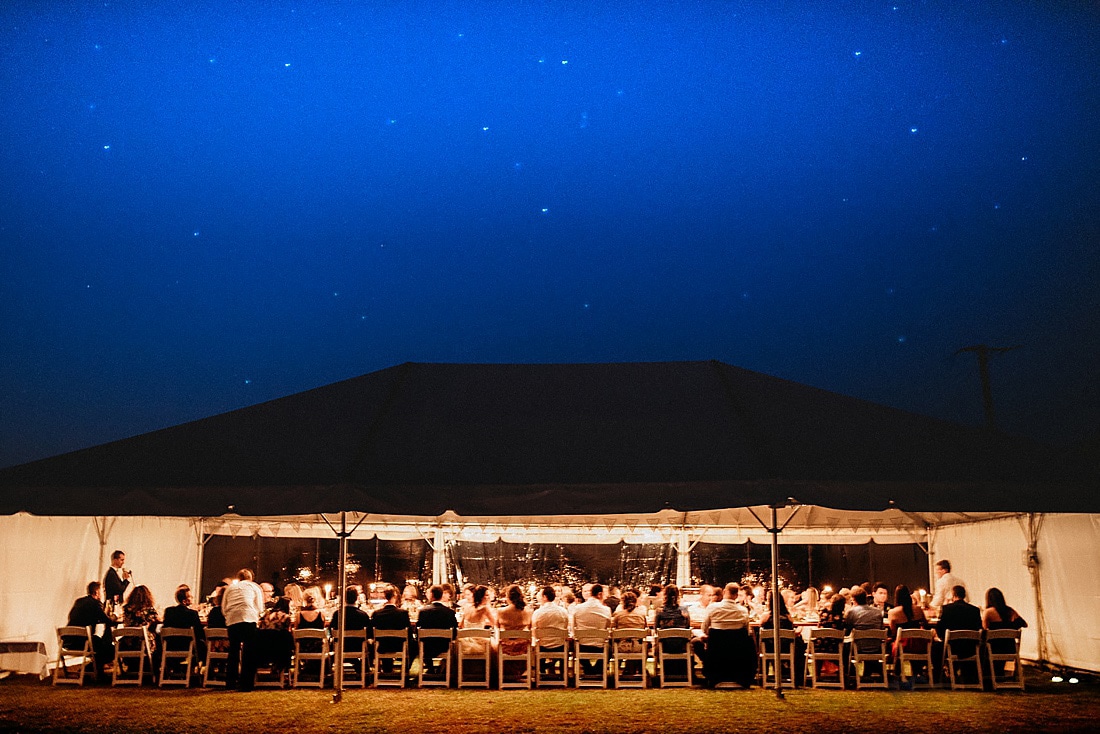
28, 706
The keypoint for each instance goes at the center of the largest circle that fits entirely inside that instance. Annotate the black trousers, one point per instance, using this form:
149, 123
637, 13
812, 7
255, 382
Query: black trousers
242, 656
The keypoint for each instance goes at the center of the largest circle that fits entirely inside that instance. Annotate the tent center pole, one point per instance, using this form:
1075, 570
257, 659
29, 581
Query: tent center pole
341, 604
776, 652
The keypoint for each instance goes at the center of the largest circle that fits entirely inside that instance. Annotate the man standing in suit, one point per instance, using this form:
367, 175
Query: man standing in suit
392, 617
117, 579
88, 611
243, 605
182, 616
436, 616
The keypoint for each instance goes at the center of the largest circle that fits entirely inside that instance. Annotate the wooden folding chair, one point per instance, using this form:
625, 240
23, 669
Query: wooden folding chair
397, 659
816, 654
131, 647
310, 646
521, 660
630, 647
994, 641
73, 642
474, 646
595, 655
435, 670
867, 650
921, 655
664, 657
356, 657
171, 642
786, 656
956, 655
217, 656
551, 654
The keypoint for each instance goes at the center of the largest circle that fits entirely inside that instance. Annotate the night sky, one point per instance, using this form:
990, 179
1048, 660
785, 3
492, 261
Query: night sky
208, 205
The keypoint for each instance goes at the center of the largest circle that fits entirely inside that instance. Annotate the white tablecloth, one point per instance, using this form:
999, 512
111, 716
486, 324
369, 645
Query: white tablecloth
19, 656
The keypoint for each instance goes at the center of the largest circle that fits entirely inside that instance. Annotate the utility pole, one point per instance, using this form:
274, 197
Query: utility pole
984, 351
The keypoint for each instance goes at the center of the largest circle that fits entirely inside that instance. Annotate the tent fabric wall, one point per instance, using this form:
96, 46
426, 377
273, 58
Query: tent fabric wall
995, 553
48, 562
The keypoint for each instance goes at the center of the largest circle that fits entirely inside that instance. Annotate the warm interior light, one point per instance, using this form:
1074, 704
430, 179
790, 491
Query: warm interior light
1056, 679
1073, 680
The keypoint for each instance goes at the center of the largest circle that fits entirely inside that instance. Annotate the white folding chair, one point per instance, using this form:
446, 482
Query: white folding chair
474, 646
956, 656
816, 654
663, 657
131, 649
868, 651
630, 648
310, 646
993, 641
435, 670
79, 646
786, 656
171, 639
217, 655
551, 654
904, 660
396, 660
510, 658
591, 648
356, 657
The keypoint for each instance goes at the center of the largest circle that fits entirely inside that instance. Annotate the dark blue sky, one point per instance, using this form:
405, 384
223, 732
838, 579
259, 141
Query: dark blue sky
208, 205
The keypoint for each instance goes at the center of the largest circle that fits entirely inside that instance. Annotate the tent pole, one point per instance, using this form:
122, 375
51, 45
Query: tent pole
439, 556
776, 653
341, 604
1033, 523
201, 552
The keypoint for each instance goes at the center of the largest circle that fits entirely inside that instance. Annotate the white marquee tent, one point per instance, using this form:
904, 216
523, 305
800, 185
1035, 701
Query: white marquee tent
673, 453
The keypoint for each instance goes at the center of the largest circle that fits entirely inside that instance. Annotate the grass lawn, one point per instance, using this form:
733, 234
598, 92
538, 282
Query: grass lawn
29, 706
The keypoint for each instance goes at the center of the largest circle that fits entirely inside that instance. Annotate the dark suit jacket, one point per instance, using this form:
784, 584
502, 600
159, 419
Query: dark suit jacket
391, 617
435, 616
959, 615
88, 612
357, 620
113, 586
185, 617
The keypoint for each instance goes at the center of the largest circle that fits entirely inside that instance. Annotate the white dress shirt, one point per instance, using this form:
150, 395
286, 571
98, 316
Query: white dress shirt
243, 601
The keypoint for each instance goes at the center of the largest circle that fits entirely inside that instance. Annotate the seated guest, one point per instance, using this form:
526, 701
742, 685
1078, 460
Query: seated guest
807, 604
87, 611
356, 619
767, 627
880, 598
478, 616
863, 616
727, 649
515, 616
391, 617
293, 592
697, 612
436, 616
957, 614
182, 616
448, 599
672, 615
309, 616
628, 616
215, 617
140, 609
905, 616
592, 613
997, 615
549, 615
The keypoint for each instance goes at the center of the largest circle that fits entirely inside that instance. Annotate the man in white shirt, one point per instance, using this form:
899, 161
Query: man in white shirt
242, 605
945, 582
697, 612
549, 615
726, 614
592, 613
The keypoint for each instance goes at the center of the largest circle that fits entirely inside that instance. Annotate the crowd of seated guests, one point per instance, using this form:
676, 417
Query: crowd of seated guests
723, 615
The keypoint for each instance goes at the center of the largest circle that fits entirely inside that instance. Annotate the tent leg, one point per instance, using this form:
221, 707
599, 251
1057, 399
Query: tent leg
776, 651
338, 664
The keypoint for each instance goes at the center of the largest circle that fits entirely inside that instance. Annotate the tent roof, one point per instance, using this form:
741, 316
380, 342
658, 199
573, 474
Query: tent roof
556, 439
